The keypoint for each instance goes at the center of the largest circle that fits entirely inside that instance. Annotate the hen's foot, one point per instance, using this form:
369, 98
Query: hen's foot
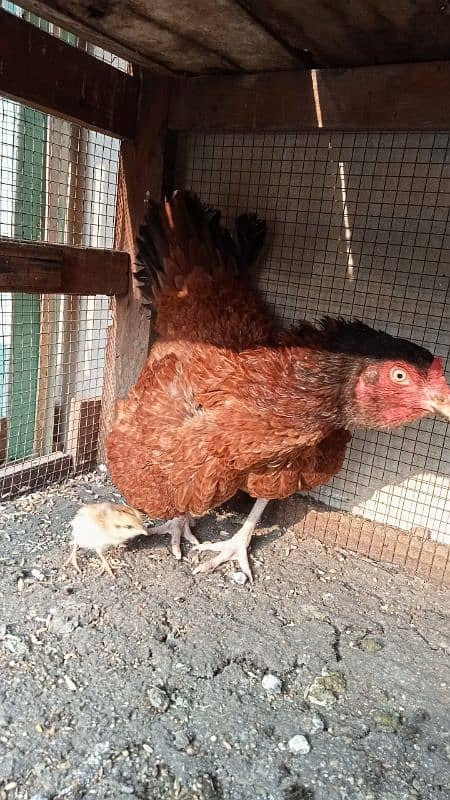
234, 549
177, 529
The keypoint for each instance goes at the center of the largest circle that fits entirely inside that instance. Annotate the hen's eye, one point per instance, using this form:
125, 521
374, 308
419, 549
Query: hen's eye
398, 375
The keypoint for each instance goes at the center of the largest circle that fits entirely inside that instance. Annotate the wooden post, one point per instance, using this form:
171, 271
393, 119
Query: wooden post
141, 171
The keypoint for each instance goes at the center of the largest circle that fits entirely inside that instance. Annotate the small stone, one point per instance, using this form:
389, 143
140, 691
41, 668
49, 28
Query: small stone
387, 721
271, 684
239, 578
63, 625
320, 696
334, 681
158, 699
299, 745
37, 574
371, 645
326, 688
181, 740
70, 683
312, 723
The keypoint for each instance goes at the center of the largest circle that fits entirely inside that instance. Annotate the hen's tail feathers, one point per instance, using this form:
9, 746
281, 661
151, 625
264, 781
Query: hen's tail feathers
182, 233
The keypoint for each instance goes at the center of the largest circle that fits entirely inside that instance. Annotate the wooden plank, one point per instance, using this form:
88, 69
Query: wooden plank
111, 41
3, 439
395, 97
83, 432
182, 37
48, 268
33, 474
348, 34
141, 170
254, 35
42, 71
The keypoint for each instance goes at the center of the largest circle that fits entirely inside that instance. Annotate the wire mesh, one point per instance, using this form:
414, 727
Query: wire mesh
358, 227
57, 184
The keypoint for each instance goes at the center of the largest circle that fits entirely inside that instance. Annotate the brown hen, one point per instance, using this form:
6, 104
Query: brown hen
226, 401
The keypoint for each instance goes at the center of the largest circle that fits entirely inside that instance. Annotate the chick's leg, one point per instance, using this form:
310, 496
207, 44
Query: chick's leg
73, 559
234, 549
178, 528
106, 566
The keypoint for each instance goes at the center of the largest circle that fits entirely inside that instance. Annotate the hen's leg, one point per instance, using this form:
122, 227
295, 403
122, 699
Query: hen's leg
234, 549
178, 529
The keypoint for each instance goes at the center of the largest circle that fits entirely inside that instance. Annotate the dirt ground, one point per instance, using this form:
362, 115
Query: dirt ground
151, 685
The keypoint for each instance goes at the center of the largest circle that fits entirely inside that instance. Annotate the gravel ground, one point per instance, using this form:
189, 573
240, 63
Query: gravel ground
325, 680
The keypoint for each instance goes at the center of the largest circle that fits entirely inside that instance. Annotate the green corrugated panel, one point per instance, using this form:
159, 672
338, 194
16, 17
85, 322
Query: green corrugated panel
26, 314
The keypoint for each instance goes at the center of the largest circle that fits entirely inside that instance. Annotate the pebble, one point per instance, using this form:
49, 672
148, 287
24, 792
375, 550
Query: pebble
387, 721
181, 740
326, 688
299, 745
371, 645
158, 699
312, 723
271, 684
239, 578
63, 625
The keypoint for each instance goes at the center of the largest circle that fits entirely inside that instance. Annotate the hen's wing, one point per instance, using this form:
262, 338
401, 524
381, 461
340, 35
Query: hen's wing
196, 275
310, 467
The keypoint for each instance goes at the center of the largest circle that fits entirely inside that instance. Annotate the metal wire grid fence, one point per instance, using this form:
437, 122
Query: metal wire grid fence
57, 184
358, 227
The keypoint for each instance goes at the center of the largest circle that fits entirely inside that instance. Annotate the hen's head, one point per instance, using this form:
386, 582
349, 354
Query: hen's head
395, 381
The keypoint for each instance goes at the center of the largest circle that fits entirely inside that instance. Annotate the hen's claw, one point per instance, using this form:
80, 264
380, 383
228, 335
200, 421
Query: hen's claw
177, 529
234, 549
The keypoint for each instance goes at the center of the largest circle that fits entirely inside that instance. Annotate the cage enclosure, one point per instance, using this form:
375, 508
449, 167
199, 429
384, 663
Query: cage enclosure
336, 134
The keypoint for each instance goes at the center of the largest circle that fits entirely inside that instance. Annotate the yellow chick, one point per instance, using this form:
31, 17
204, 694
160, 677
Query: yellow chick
97, 526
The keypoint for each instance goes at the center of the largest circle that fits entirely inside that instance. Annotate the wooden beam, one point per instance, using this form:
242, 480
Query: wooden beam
392, 97
33, 474
44, 72
56, 13
141, 170
60, 269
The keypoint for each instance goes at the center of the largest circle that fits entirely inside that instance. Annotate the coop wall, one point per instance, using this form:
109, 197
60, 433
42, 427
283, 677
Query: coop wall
58, 184
357, 227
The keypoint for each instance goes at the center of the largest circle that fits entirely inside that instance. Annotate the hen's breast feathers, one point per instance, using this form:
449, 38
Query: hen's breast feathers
200, 429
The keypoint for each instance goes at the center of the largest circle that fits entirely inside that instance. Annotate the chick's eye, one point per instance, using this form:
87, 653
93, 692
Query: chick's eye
398, 375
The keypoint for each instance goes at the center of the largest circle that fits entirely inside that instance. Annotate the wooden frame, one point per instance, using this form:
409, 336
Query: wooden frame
55, 13
46, 73
411, 97
34, 267
141, 171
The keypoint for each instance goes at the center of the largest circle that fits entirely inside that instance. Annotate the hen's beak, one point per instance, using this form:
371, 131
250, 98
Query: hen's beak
441, 406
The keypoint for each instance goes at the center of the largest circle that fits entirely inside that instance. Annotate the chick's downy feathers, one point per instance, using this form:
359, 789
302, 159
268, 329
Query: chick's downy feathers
97, 526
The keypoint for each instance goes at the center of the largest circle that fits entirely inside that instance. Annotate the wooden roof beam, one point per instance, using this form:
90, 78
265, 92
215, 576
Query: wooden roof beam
44, 72
412, 97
